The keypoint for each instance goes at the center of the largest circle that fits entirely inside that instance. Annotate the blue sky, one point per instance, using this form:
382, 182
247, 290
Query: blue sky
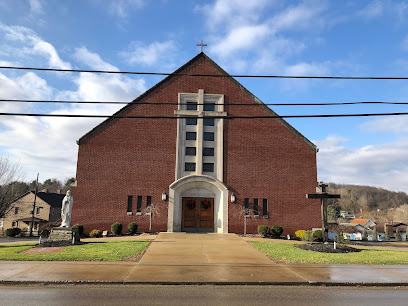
331, 38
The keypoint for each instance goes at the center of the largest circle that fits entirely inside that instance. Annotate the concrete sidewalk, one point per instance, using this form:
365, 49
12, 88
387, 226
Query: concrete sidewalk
179, 258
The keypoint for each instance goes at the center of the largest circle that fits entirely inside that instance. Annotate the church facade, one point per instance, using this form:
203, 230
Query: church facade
196, 169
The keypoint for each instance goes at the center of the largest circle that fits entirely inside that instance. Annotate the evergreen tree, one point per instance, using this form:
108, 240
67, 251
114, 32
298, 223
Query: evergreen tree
387, 235
364, 235
375, 235
398, 235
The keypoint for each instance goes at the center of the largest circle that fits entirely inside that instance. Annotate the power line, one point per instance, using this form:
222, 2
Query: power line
207, 75
175, 103
209, 117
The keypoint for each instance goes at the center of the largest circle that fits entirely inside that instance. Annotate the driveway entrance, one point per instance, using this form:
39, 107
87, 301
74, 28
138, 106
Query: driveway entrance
198, 215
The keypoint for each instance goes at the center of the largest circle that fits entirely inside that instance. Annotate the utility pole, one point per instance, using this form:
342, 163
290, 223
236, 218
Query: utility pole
35, 199
323, 195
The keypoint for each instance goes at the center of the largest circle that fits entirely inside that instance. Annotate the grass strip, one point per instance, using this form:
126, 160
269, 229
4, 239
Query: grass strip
287, 253
93, 251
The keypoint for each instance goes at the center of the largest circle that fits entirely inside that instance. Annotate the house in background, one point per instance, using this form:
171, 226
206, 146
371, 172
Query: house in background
363, 222
47, 210
392, 227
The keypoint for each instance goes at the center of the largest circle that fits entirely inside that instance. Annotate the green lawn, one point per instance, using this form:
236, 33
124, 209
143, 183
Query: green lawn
287, 253
94, 251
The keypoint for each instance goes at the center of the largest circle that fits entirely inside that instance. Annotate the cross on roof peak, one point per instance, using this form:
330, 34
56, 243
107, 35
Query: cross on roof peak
202, 45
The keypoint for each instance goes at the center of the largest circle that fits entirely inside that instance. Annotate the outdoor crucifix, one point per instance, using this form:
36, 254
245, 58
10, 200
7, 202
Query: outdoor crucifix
323, 195
202, 45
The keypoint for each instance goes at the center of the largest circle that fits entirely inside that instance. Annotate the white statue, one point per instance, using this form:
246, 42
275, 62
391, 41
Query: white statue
66, 209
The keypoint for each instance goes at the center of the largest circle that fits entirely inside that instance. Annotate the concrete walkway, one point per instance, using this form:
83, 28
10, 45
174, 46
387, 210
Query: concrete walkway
180, 258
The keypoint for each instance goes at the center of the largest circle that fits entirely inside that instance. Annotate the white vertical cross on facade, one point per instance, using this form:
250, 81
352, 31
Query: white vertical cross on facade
202, 45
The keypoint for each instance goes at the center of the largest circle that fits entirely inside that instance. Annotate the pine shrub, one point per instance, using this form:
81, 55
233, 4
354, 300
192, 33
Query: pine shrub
13, 231
80, 229
95, 234
263, 230
318, 235
132, 228
276, 231
308, 236
116, 228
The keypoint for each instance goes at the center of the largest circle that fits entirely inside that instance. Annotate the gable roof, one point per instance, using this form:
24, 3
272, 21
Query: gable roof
53, 199
223, 72
360, 221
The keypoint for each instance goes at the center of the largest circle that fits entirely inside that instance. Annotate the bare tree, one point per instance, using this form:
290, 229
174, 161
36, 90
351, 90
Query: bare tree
9, 173
151, 210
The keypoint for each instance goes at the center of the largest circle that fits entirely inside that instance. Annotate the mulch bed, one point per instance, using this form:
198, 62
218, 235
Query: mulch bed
327, 248
42, 250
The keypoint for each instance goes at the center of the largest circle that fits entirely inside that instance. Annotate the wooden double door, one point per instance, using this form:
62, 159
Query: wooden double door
198, 214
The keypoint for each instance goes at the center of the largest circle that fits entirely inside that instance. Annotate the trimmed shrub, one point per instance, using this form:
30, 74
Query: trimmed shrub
318, 235
308, 236
132, 228
263, 230
276, 231
116, 228
13, 231
80, 229
364, 236
95, 234
299, 234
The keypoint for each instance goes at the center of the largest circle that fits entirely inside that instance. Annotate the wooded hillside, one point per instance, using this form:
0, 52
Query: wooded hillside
370, 202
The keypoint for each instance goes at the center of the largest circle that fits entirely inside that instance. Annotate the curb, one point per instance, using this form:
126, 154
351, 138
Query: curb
291, 284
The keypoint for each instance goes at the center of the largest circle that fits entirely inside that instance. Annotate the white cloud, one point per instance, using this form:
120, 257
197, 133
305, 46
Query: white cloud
92, 60
36, 7
232, 13
245, 37
372, 10
23, 42
242, 29
156, 53
122, 8
393, 124
47, 144
384, 165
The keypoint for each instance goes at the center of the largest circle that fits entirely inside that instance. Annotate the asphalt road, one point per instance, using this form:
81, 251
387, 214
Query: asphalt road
199, 295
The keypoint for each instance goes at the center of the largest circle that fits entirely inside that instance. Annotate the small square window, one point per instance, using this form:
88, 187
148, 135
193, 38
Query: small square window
208, 136
209, 121
191, 151
208, 151
189, 167
208, 167
191, 106
191, 135
210, 107
191, 121
14, 223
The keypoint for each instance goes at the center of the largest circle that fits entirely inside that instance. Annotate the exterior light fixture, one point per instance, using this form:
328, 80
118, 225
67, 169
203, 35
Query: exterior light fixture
164, 196
232, 198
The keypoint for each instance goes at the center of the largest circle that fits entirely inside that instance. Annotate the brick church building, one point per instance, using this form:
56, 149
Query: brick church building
197, 169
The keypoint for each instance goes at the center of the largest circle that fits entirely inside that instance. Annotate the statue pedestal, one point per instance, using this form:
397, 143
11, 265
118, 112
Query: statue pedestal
67, 234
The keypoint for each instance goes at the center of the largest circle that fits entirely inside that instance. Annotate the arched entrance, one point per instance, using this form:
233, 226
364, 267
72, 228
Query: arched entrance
208, 213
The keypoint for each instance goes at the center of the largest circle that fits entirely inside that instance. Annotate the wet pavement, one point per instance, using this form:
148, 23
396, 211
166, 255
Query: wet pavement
180, 258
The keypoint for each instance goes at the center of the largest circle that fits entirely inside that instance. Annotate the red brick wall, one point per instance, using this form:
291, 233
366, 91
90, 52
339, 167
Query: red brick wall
262, 159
